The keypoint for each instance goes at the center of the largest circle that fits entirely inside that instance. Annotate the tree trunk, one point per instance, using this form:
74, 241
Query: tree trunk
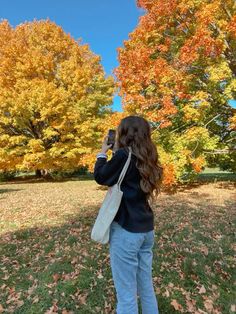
38, 173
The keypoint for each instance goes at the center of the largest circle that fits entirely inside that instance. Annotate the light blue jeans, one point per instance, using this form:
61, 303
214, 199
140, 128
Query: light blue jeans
131, 264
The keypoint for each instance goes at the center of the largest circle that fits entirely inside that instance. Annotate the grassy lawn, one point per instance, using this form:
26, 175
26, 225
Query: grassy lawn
214, 175
49, 265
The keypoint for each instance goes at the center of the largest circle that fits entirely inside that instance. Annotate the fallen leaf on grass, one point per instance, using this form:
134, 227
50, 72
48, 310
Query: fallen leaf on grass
166, 293
35, 299
208, 305
5, 277
82, 298
56, 277
202, 289
19, 303
31, 289
191, 306
100, 276
199, 311
204, 250
53, 310
176, 305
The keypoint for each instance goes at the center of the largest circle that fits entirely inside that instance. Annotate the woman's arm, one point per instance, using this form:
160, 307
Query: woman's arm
108, 172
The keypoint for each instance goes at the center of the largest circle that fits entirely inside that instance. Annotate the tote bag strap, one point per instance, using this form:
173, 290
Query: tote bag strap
123, 172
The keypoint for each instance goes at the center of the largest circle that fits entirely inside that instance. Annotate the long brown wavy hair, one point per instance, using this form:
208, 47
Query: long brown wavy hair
135, 131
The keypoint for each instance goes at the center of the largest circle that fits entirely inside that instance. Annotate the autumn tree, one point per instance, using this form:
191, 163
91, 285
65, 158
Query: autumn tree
54, 97
178, 69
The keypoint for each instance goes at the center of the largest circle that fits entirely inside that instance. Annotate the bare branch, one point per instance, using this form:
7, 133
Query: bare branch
227, 12
220, 151
195, 148
212, 119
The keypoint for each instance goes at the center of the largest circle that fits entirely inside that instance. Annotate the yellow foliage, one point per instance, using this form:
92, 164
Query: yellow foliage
54, 97
233, 122
36, 145
219, 73
191, 113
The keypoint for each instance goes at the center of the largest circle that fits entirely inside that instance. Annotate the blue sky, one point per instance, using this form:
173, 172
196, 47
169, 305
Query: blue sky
103, 24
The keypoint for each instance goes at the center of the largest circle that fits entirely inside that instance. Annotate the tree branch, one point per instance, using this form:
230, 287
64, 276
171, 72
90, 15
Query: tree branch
212, 119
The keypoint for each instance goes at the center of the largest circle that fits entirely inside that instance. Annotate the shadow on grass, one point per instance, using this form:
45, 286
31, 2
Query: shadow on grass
214, 176
8, 190
43, 264
181, 187
60, 267
34, 179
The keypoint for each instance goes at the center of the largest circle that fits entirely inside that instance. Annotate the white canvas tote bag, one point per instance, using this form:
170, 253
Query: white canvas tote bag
110, 205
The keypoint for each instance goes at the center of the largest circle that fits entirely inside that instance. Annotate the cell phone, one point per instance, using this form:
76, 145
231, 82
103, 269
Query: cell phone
111, 137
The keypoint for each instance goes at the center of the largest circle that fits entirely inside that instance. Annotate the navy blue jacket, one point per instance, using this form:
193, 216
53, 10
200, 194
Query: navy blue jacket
135, 213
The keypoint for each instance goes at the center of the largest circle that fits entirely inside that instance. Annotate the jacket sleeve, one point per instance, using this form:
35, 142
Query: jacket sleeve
108, 172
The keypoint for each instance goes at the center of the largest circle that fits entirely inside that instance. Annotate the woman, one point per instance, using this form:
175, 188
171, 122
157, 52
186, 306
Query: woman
132, 231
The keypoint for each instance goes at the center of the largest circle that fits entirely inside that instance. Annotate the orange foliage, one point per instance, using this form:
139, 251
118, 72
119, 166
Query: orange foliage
198, 164
169, 72
169, 177
154, 61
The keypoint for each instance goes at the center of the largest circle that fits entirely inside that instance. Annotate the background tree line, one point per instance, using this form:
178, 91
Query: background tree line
178, 70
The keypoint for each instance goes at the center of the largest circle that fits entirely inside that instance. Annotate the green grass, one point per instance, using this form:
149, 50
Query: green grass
48, 260
215, 174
